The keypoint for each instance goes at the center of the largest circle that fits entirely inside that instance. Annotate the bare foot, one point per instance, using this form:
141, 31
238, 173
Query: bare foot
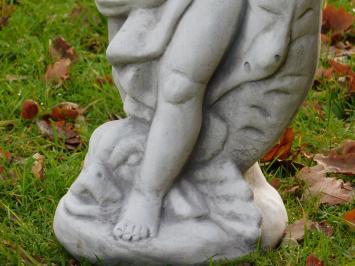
140, 219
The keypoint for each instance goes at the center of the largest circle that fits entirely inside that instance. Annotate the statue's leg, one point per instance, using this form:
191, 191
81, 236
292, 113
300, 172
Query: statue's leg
198, 45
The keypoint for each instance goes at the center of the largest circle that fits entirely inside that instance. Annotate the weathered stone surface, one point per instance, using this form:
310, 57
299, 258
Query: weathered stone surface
208, 87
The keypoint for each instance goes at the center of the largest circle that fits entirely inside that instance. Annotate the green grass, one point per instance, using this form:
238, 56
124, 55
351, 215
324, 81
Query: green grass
27, 205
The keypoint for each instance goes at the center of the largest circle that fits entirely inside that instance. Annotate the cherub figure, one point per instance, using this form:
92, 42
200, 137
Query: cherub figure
202, 37
208, 87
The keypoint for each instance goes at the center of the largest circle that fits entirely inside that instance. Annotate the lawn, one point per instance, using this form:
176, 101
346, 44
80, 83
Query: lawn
27, 203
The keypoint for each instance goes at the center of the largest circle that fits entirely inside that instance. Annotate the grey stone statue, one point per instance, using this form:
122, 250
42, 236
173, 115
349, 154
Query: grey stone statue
208, 87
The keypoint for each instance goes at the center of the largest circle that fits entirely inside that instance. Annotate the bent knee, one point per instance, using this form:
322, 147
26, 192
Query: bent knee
178, 88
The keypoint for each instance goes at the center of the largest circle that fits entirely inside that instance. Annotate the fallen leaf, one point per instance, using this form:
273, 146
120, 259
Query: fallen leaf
341, 69
330, 190
312, 260
38, 166
324, 227
336, 20
29, 109
45, 128
65, 132
282, 150
60, 49
349, 218
59, 71
295, 232
66, 111
276, 183
341, 160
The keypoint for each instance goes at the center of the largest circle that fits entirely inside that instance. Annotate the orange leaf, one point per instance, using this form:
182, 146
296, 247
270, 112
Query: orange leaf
66, 111
341, 69
312, 260
283, 149
349, 218
29, 109
336, 20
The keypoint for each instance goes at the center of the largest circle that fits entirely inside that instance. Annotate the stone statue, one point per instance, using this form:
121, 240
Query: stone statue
208, 87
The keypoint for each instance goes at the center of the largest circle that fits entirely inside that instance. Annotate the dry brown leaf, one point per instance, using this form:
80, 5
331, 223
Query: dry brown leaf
38, 166
59, 71
29, 109
330, 190
295, 232
60, 49
282, 150
349, 218
65, 132
312, 260
276, 183
324, 227
341, 160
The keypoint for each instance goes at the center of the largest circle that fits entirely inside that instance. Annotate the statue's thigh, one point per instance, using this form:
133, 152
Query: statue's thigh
202, 37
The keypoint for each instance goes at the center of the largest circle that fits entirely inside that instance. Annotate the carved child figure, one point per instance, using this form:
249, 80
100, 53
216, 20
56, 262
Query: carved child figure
197, 47
208, 87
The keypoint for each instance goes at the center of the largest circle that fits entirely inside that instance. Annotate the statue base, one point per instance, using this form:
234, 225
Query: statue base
212, 212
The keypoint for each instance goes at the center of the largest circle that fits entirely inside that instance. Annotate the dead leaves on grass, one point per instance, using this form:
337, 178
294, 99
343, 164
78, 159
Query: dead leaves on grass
58, 72
341, 72
63, 55
337, 35
331, 190
336, 20
341, 160
66, 111
295, 232
61, 124
60, 49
